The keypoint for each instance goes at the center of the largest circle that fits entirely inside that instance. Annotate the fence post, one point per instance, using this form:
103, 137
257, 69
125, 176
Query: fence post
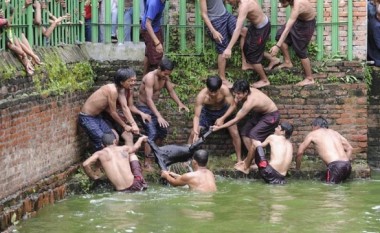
320, 27
334, 28
120, 21
349, 31
136, 21
182, 24
94, 21
198, 28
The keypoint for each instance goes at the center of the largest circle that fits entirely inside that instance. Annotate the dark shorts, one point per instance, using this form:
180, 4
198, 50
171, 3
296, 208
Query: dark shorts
299, 36
260, 126
154, 58
95, 127
139, 183
254, 45
152, 128
271, 176
338, 171
208, 117
225, 25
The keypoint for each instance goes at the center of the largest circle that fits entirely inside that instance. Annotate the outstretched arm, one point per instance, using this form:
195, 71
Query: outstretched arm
347, 147
137, 145
177, 180
90, 163
301, 150
173, 94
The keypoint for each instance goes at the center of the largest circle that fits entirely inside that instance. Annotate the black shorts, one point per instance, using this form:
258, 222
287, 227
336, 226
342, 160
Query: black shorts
254, 45
260, 126
271, 176
299, 36
338, 171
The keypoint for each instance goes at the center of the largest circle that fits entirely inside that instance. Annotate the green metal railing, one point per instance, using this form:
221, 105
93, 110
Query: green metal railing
180, 38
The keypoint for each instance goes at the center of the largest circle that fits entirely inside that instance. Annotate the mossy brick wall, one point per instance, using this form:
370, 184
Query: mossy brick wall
374, 120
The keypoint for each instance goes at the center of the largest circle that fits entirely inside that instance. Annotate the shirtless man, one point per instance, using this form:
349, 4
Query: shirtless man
119, 163
105, 99
265, 119
253, 41
281, 156
149, 92
214, 105
201, 179
297, 32
334, 150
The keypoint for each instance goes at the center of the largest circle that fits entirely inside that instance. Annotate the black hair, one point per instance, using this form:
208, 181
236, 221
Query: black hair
321, 122
166, 64
288, 128
213, 83
201, 157
123, 74
108, 138
291, 2
241, 86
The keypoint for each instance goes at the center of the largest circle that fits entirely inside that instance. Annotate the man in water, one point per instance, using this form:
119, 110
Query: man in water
334, 150
265, 119
281, 155
297, 32
104, 98
201, 179
120, 164
213, 105
149, 92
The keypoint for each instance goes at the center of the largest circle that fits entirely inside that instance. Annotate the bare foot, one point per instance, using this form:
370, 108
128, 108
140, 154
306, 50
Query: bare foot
274, 62
260, 84
240, 166
36, 60
253, 167
284, 66
246, 66
305, 82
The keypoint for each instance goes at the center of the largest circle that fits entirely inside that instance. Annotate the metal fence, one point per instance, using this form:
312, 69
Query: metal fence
180, 36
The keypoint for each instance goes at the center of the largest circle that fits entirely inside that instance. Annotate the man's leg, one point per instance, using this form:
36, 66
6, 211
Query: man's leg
222, 70
236, 140
273, 61
308, 73
264, 81
287, 61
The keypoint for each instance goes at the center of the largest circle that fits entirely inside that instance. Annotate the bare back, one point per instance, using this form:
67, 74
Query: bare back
329, 144
100, 99
305, 9
253, 10
281, 153
258, 102
116, 165
202, 180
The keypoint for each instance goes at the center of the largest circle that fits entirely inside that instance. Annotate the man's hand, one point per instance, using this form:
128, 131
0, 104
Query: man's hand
274, 50
162, 122
145, 117
217, 36
227, 53
144, 138
215, 128
164, 174
135, 129
183, 107
219, 122
159, 48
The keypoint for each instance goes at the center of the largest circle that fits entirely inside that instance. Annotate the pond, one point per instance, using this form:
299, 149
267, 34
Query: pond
242, 205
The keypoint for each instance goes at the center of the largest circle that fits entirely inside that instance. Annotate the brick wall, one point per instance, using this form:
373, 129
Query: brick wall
374, 120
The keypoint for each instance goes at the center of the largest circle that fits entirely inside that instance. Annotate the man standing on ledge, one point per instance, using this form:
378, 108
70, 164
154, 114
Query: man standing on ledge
297, 32
152, 33
334, 150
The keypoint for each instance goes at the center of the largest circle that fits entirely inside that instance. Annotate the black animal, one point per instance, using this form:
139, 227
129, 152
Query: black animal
169, 154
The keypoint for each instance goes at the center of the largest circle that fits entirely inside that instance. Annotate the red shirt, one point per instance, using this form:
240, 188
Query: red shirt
87, 10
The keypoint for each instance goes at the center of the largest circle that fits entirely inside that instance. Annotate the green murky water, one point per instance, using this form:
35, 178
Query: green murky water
238, 206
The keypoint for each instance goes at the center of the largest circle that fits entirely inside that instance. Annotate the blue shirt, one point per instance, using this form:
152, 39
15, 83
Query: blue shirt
153, 11
373, 50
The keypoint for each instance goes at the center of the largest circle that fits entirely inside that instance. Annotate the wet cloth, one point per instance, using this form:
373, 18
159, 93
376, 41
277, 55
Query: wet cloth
152, 128
95, 127
260, 126
254, 45
139, 183
299, 36
208, 116
338, 171
225, 25
271, 176
153, 56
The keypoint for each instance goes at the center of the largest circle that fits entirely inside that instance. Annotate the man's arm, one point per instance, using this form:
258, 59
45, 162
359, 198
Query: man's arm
179, 180
111, 98
240, 115
301, 150
137, 145
197, 113
242, 15
156, 41
145, 117
289, 24
173, 94
126, 111
232, 106
215, 34
88, 166
347, 147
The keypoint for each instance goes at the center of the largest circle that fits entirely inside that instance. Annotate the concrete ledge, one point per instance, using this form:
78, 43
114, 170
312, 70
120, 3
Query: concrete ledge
113, 52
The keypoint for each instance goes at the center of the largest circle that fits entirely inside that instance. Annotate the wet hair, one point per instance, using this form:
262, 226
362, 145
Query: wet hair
288, 128
123, 74
321, 122
201, 157
108, 138
241, 86
166, 64
213, 83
